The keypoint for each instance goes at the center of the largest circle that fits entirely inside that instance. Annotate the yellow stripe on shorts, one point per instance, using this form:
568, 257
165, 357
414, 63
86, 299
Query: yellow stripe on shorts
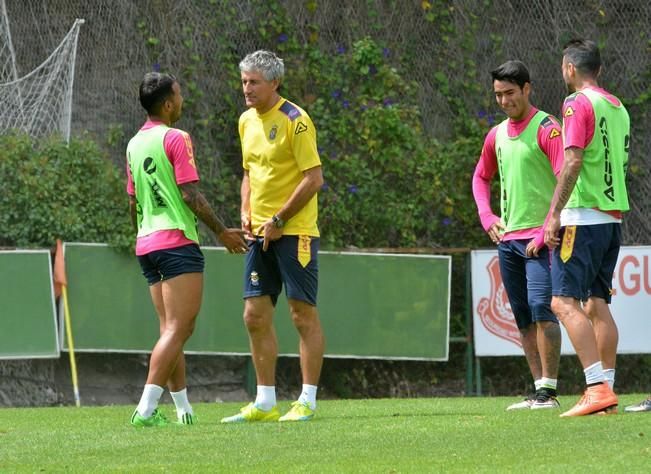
568, 242
304, 250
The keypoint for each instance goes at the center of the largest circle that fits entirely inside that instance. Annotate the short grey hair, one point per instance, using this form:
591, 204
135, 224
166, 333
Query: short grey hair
265, 62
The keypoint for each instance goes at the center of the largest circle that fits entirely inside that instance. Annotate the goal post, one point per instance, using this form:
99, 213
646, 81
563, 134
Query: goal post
40, 103
8, 70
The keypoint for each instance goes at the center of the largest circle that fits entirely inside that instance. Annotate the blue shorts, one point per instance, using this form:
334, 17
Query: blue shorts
291, 260
527, 282
584, 263
164, 264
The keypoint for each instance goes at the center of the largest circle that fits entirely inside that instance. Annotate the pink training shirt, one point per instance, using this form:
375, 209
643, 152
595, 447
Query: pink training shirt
579, 123
178, 148
578, 118
551, 144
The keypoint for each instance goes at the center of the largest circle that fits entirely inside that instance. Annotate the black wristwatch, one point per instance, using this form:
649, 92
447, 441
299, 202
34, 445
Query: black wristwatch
278, 222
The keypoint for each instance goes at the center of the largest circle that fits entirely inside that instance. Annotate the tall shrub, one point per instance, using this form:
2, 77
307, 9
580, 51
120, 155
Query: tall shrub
52, 190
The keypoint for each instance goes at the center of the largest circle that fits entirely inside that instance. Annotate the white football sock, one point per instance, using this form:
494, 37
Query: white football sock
308, 395
610, 377
266, 397
537, 383
149, 400
181, 402
594, 373
548, 383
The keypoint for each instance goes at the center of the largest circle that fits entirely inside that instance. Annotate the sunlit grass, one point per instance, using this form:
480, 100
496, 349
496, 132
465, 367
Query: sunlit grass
388, 435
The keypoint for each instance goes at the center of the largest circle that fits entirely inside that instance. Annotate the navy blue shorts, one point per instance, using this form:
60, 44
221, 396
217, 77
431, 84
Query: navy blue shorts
164, 264
291, 260
584, 263
527, 282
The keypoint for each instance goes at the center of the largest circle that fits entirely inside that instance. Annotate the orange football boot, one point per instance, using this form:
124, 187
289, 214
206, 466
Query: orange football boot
597, 398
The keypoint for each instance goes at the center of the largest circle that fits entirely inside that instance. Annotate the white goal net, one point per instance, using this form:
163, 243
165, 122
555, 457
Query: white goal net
39, 103
7, 56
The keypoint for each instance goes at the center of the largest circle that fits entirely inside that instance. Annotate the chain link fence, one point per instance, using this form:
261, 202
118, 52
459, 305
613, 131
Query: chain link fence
432, 42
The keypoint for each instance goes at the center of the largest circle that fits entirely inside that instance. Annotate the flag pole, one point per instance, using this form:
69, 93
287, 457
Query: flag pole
71, 346
61, 289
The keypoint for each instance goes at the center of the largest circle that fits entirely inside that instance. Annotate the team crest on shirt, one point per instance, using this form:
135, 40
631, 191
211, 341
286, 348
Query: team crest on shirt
255, 279
300, 128
273, 132
554, 133
495, 311
569, 112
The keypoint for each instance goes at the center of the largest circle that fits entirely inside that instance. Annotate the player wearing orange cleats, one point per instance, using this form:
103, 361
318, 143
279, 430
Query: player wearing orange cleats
597, 399
584, 223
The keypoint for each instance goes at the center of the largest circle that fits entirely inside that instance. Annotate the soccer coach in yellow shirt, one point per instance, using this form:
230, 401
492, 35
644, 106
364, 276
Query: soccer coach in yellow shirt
282, 174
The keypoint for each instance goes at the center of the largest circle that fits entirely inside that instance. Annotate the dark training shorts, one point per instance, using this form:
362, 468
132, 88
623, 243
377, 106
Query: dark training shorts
527, 281
584, 263
164, 264
291, 260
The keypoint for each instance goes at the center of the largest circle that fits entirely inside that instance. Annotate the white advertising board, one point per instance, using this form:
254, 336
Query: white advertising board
495, 331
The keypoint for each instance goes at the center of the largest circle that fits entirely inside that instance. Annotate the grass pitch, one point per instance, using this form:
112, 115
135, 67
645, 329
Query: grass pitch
379, 436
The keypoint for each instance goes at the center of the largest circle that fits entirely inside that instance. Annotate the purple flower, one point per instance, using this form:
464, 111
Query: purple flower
335, 94
372, 70
341, 49
282, 37
352, 189
156, 67
363, 107
345, 104
491, 119
387, 102
446, 221
320, 151
325, 186
386, 52
481, 114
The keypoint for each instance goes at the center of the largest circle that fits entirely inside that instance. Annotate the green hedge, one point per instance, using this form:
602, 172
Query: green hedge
403, 192
52, 190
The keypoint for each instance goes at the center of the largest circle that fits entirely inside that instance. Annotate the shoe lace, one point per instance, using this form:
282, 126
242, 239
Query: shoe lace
544, 395
298, 405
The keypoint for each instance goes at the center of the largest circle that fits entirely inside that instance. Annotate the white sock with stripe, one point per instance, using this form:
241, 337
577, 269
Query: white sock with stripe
548, 383
149, 400
181, 402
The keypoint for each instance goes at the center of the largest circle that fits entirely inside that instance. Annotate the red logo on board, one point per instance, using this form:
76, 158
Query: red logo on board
495, 311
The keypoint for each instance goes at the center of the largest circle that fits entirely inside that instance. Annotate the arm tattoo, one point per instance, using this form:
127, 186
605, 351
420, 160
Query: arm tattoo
199, 205
567, 178
565, 187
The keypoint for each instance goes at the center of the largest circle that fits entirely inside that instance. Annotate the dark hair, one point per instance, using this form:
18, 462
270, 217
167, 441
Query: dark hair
513, 71
584, 54
155, 88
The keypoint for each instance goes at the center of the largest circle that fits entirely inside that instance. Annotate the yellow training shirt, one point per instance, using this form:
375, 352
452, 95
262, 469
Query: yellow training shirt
277, 147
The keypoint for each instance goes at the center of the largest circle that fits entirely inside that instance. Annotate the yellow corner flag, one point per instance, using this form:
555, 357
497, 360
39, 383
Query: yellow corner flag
61, 289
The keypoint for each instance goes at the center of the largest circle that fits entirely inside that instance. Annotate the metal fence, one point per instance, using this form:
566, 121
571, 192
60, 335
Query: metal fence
428, 41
